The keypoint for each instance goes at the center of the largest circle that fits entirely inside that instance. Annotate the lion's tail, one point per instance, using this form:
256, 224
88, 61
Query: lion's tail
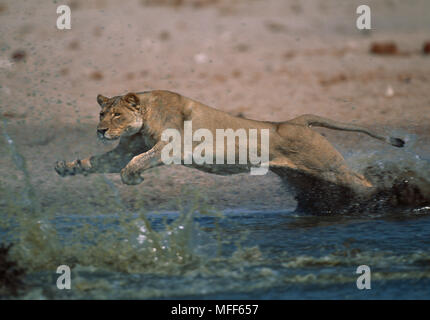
310, 120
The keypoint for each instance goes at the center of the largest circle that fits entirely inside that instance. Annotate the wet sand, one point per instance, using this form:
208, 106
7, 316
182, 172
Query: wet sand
265, 60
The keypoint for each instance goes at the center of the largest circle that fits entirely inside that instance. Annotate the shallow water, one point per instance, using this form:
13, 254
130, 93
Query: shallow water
200, 253
255, 255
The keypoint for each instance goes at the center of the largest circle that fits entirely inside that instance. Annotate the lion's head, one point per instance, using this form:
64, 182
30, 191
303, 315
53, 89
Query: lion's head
119, 116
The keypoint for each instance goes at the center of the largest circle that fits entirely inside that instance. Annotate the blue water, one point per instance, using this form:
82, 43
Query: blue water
242, 255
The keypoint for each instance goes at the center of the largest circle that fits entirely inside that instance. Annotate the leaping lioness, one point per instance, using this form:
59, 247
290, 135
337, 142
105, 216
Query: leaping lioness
311, 165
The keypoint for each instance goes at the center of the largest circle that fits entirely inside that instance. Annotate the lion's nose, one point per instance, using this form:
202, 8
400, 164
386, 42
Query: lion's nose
101, 131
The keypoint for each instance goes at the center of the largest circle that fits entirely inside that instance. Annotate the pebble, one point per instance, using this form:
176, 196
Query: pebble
383, 48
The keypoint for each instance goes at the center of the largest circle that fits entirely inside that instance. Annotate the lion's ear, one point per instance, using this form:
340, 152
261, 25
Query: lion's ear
132, 98
101, 99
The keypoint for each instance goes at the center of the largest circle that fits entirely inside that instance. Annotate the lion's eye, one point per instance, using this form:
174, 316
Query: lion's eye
117, 114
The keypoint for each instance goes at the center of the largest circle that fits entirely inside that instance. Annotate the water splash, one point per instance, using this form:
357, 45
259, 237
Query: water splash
125, 241
28, 195
145, 245
402, 178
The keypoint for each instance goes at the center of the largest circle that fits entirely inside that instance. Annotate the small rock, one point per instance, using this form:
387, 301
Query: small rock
64, 71
426, 48
74, 4
242, 47
18, 55
96, 75
384, 48
236, 73
74, 45
130, 76
164, 35
3, 7
289, 54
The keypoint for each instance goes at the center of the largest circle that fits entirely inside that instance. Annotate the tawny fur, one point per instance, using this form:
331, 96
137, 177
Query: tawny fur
297, 154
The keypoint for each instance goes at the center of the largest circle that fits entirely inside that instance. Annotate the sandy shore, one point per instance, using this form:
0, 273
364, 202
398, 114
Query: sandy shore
266, 60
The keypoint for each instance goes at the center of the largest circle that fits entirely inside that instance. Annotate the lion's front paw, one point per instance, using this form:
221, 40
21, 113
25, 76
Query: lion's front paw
130, 176
64, 168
